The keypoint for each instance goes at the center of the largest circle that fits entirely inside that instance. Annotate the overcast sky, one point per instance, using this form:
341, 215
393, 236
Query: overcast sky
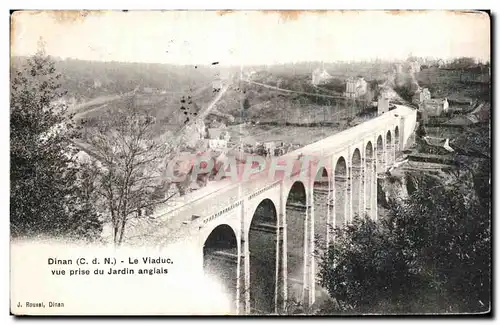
252, 37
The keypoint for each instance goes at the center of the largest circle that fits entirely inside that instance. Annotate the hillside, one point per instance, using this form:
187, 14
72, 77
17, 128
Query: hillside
455, 84
87, 80
174, 95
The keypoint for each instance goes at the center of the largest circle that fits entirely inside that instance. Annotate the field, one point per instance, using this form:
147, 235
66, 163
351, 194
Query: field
299, 135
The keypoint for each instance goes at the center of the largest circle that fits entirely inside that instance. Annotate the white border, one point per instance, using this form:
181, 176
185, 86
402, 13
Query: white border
185, 4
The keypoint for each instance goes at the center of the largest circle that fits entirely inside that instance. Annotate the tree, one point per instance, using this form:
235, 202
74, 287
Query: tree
87, 220
367, 98
404, 88
431, 254
463, 64
45, 198
127, 162
364, 268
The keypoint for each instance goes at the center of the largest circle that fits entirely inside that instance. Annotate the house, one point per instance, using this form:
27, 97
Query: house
414, 67
434, 107
249, 74
226, 136
214, 133
320, 77
217, 144
218, 134
269, 147
355, 87
217, 138
421, 95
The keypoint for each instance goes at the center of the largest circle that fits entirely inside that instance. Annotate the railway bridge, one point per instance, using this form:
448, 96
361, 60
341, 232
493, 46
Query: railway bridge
257, 236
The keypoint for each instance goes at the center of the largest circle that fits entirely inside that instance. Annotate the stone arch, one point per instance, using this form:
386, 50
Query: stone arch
341, 174
356, 178
369, 178
369, 150
380, 154
341, 167
389, 148
262, 247
296, 212
220, 259
321, 198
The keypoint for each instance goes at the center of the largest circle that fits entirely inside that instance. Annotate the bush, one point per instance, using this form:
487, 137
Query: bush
431, 254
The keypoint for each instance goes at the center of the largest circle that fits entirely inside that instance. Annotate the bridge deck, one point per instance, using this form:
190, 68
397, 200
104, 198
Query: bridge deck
338, 140
173, 220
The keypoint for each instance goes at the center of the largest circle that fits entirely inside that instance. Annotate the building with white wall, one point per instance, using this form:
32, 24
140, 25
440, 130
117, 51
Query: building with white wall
320, 77
434, 107
355, 87
421, 95
217, 144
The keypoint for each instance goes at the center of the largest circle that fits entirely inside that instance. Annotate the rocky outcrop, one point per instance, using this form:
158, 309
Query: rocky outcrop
391, 188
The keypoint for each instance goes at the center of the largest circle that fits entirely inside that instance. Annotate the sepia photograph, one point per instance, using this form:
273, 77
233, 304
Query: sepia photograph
246, 162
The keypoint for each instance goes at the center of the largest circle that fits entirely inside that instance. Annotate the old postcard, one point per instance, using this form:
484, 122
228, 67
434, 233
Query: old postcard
250, 162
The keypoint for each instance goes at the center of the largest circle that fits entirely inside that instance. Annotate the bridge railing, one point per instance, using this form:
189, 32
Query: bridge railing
187, 202
359, 131
339, 140
351, 134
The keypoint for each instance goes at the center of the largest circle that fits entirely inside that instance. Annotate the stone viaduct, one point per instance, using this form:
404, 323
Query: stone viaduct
257, 237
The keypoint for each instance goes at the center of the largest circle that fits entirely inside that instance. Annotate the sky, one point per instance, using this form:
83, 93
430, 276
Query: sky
251, 37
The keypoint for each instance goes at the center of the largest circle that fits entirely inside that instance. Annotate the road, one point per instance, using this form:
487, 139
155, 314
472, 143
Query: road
201, 114
292, 91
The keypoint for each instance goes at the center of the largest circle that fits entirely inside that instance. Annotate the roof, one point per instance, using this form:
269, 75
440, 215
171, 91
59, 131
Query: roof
420, 90
214, 132
433, 141
434, 101
355, 79
482, 112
